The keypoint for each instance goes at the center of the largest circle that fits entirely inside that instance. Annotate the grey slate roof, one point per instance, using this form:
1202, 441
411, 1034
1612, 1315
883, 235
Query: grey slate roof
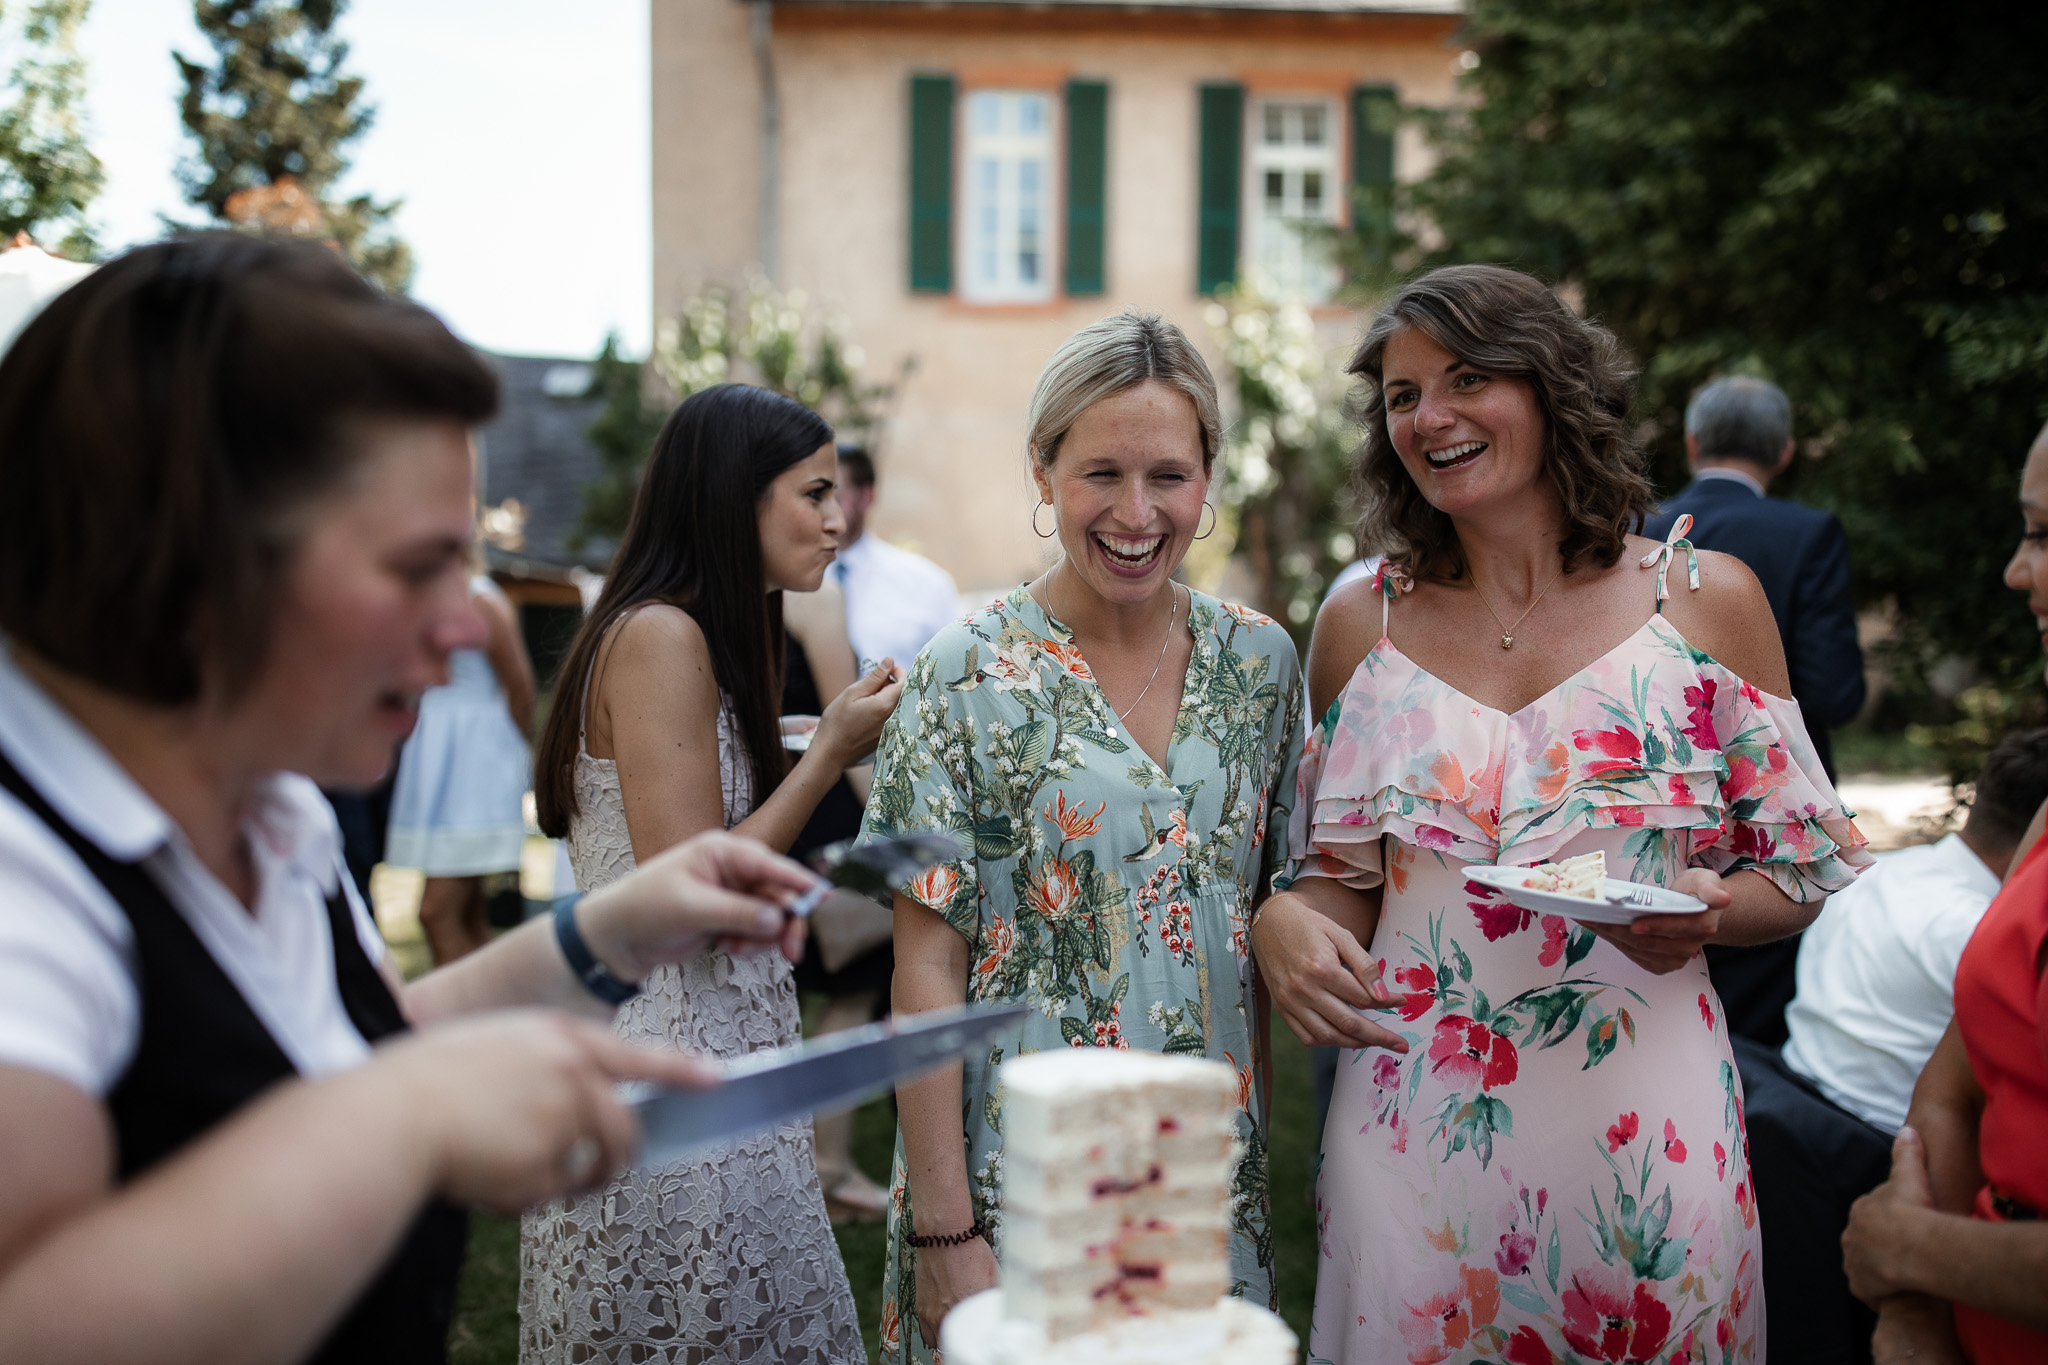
535, 450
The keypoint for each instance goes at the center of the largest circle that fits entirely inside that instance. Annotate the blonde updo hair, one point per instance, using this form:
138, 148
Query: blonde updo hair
1104, 359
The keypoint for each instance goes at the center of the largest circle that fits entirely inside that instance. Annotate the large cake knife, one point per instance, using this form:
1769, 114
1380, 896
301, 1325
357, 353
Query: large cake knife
824, 1076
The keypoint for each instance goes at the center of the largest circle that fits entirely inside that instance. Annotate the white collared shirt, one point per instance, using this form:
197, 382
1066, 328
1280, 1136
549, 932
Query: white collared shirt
896, 601
68, 1000
1877, 975
1720, 471
1352, 572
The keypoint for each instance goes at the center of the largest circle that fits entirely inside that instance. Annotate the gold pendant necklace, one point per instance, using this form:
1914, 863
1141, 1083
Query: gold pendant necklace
1172, 615
1507, 632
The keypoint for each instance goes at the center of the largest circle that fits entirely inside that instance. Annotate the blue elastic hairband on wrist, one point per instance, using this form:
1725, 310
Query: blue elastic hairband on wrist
596, 978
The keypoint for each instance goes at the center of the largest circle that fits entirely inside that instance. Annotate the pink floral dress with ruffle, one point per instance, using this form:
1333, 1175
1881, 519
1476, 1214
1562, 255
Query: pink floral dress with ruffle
1556, 1170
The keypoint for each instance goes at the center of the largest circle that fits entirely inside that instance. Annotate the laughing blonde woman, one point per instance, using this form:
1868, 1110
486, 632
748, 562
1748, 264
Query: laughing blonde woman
1115, 744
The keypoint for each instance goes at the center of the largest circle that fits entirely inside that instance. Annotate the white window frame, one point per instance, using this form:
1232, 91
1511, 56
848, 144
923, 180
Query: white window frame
1283, 262
1008, 200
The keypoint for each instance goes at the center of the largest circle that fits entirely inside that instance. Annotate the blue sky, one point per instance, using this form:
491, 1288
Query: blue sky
515, 131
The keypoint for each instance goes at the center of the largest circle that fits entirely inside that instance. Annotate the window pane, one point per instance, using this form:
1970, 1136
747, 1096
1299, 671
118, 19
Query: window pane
987, 219
1294, 161
1005, 192
1029, 177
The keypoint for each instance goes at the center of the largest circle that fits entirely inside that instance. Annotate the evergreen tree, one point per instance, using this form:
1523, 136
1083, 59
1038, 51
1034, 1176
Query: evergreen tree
1847, 200
762, 335
623, 436
276, 107
48, 176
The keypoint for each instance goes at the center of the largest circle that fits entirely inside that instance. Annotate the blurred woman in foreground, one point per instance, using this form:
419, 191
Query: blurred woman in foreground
233, 550
1952, 1251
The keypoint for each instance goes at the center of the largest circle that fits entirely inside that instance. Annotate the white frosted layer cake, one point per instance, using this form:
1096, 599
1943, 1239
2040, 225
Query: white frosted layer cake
1116, 1187
980, 1331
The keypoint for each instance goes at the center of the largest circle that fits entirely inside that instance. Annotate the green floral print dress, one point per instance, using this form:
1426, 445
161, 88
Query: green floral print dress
1112, 895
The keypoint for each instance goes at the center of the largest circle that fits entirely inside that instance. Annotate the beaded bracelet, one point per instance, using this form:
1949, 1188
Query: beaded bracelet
948, 1239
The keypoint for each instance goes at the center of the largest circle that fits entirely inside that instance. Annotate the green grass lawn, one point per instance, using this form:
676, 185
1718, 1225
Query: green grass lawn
487, 1322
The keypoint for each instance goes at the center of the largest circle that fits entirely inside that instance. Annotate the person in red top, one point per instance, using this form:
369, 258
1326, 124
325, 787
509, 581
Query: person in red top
1952, 1250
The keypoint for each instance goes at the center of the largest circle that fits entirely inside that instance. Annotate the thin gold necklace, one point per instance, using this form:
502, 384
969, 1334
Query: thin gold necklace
1172, 615
1507, 632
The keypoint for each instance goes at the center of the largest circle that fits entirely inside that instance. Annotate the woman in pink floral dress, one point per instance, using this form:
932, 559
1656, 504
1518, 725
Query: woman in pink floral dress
1538, 1155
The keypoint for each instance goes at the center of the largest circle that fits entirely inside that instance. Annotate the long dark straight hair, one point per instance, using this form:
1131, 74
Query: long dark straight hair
694, 541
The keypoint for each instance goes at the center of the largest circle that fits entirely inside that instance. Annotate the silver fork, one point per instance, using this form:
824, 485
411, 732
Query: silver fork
1640, 899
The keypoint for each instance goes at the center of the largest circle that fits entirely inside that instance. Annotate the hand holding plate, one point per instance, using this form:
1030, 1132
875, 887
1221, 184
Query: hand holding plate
1661, 944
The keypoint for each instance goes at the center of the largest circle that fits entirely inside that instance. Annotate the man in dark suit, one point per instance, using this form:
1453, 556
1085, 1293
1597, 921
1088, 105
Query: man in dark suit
1738, 437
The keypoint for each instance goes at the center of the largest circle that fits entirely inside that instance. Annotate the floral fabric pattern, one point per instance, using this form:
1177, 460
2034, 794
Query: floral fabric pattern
1111, 893
1556, 1171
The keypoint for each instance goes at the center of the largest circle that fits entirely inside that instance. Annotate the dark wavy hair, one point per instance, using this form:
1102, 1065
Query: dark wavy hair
693, 541
1506, 323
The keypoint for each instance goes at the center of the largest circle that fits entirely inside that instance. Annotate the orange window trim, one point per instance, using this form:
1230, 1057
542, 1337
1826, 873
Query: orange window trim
1010, 76
1323, 81
1058, 303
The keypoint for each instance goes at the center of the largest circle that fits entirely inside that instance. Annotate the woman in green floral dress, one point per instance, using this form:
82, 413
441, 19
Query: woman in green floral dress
1120, 751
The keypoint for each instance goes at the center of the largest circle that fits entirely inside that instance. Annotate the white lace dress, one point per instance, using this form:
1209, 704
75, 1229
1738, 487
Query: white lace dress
724, 1259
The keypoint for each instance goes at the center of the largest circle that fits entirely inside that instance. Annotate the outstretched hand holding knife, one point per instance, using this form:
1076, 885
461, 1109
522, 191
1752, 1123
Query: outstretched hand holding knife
723, 889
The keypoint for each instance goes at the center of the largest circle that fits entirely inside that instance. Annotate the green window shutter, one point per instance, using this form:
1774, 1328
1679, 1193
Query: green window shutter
1375, 110
931, 184
1222, 125
1087, 163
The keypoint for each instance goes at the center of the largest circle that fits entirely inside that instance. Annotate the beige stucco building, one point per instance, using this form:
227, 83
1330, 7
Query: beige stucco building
968, 181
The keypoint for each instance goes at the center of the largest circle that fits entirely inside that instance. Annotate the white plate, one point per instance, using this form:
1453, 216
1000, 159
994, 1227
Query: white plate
797, 732
1514, 881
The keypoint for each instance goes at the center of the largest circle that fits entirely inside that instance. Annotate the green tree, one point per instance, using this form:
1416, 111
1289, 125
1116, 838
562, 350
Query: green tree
1284, 478
48, 176
275, 108
622, 435
761, 335
1849, 201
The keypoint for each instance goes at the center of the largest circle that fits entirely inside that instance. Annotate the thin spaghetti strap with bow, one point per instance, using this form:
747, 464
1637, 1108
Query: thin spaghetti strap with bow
1389, 581
1662, 556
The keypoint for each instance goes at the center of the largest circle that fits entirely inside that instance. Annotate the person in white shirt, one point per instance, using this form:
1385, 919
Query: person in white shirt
234, 551
895, 600
1876, 990
1364, 567
1877, 970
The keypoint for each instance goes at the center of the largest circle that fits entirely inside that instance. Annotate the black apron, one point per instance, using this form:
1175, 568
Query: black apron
202, 1054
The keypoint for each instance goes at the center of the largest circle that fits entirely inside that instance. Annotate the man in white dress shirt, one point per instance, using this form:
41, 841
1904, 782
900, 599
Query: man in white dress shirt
896, 601
1876, 977
1877, 970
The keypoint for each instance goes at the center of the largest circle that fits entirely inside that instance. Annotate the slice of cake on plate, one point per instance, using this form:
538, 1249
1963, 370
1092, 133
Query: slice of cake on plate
1117, 1168
1584, 876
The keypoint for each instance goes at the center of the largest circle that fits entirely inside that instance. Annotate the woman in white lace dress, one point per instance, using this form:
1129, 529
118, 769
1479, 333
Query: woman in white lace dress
664, 725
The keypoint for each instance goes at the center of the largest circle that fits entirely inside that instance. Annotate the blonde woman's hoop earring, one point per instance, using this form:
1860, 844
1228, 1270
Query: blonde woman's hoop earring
1043, 535
1210, 508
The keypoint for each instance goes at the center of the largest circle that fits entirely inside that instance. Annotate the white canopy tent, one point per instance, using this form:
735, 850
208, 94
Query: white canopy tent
29, 278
